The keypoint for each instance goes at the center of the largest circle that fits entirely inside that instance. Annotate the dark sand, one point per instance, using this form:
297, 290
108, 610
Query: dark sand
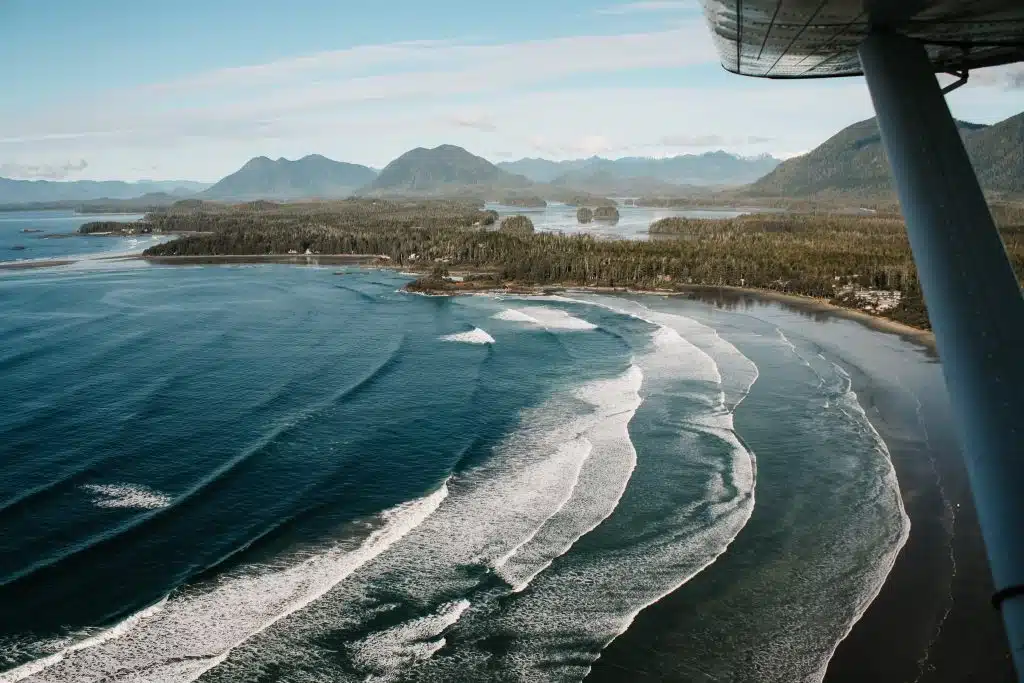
23, 265
294, 259
932, 621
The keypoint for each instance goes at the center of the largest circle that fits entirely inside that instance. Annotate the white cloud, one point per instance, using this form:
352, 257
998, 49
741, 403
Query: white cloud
1009, 77
369, 104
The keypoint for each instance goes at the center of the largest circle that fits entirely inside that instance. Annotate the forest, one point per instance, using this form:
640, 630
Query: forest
829, 257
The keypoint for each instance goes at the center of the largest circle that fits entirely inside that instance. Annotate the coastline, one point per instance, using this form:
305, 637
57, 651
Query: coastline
931, 621
294, 259
906, 617
806, 303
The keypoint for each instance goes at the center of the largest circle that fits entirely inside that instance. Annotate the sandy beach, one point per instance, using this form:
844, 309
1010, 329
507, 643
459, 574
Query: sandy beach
25, 265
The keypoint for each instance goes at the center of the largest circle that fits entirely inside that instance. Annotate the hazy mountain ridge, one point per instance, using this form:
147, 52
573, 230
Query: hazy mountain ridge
853, 162
18, 191
710, 168
850, 164
311, 176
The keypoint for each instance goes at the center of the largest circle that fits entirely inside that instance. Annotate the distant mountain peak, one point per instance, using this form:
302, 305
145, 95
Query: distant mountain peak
446, 167
311, 176
658, 173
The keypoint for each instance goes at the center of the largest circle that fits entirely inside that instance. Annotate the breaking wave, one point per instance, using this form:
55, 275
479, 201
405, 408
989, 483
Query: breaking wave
474, 336
193, 631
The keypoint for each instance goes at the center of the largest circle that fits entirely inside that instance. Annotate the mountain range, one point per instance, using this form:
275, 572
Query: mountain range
852, 163
712, 168
25, 191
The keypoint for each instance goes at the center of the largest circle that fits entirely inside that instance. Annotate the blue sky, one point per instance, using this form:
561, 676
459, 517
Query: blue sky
192, 89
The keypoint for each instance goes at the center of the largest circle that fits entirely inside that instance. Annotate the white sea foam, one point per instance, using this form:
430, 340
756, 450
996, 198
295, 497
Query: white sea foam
474, 336
735, 371
384, 654
599, 485
513, 315
24, 671
546, 485
195, 630
596, 597
889, 488
127, 496
546, 317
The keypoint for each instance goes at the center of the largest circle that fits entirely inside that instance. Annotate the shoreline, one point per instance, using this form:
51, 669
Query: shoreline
27, 265
293, 259
931, 620
887, 642
807, 303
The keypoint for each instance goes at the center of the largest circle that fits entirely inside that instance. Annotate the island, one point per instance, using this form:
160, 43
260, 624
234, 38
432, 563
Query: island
525, 202
114, 228
584, 215
606, 213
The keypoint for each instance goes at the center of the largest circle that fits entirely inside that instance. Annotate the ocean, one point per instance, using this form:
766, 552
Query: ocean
26, 235
273, 473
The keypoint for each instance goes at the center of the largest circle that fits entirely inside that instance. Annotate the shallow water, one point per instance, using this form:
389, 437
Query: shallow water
284, 473
38, 243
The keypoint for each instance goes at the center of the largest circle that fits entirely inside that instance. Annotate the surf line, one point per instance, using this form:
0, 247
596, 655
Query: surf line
149, 636
117, 630
666, 333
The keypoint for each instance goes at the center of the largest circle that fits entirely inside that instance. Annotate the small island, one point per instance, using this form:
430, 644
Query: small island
606, 213
525, 202
584, 215
114, 228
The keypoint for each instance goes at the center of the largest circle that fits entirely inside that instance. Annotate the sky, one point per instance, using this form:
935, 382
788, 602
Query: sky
192, 89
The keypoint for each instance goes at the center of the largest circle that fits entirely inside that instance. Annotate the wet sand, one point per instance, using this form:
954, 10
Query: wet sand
25, 265
294, 259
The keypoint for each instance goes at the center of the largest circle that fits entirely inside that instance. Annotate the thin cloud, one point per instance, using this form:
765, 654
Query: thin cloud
1009, 77
42, 171
639, 7
480, 122
311, 86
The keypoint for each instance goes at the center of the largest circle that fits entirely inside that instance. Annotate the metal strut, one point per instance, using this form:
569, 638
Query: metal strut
961, 79
974, 300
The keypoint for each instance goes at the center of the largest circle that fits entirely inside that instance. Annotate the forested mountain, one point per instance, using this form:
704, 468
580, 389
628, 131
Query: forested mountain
853, 163
998, 155
440, 169
711, 168
311, 176
25, 191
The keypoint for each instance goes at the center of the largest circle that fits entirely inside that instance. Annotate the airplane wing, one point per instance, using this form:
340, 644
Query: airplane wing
819, 38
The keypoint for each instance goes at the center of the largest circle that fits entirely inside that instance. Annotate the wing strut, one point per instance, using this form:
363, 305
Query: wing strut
974, 301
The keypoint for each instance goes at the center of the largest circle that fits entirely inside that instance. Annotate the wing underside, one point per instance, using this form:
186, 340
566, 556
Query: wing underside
819, 38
